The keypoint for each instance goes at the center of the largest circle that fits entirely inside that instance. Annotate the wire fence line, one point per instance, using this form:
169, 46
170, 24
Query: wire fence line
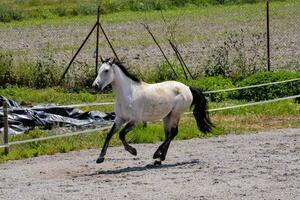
251, 104
107, 127
251, 86
82, 105
55, 136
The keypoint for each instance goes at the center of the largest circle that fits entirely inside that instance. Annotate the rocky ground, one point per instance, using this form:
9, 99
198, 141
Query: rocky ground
264, 165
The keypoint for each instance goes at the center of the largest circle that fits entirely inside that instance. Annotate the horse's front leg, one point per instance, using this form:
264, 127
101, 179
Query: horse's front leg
117, 124
128, 127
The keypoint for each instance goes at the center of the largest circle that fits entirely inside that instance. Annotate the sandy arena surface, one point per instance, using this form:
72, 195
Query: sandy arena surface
263, 165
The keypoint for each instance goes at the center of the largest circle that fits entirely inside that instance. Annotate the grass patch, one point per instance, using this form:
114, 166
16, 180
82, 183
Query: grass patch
52, 95
35, 9
215, 14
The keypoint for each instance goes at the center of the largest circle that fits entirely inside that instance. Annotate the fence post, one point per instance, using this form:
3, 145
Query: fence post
5, 121
97, 40
268, 36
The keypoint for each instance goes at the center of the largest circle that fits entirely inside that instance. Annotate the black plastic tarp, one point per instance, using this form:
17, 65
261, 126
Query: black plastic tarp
21, 119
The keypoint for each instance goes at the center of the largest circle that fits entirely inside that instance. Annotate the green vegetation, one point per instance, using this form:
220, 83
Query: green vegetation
272, 91
17, 10
42, 73
216, 14
236, 59
212, 83
52, 95
67, 96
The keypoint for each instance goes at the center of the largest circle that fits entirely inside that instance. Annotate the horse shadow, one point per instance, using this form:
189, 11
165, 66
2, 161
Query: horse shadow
143, 168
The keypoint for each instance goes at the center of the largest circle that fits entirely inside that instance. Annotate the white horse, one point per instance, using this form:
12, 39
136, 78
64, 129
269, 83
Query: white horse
138, 102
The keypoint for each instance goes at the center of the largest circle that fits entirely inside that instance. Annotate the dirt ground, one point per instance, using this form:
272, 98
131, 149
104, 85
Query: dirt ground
263, 165
196, 35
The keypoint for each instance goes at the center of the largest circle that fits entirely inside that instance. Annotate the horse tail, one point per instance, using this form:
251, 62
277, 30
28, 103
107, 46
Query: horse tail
201, 111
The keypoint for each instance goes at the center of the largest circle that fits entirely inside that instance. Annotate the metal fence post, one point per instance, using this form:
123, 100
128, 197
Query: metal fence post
97, 40
268, 36
5, 121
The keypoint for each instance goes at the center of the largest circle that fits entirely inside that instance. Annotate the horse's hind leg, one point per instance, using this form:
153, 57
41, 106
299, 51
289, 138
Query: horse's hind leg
171, 130
174, 132
159, 150
118, 123
128, 127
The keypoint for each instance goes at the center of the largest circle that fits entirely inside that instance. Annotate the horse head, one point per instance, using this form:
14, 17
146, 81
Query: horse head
105, 74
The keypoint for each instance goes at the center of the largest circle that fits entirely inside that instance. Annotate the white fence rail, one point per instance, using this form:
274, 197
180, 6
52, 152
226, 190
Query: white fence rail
54, 136
252, 86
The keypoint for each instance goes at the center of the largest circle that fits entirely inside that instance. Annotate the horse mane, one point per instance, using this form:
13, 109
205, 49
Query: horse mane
126, 72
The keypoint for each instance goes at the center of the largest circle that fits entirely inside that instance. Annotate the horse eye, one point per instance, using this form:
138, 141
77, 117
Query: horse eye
105, 71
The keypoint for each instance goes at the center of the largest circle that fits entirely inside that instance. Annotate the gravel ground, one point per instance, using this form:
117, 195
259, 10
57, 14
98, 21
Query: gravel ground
263, 165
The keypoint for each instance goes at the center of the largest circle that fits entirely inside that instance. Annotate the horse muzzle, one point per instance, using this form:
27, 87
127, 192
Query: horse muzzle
96, 87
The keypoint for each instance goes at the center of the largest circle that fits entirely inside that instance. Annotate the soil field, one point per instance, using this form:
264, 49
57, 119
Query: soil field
198, 32
264, 165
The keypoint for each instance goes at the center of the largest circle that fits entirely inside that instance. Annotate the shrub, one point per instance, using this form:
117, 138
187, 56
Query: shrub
84, 10
6, 69
269, 92
8, 14
209, 84
35, 133
22, 73
162, 72
110, 6
236, 58
46, 73
80, 76
60, 11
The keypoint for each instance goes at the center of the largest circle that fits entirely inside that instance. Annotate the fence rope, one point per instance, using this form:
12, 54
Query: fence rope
81, 105
251, 86
250, 104
55, 136
108, 127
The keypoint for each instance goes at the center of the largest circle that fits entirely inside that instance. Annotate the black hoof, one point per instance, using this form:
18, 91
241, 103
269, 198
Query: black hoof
100, 160
131, 150
157, 154
162, 157
157, 163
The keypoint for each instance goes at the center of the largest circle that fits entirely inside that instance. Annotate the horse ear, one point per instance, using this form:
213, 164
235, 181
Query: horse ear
111, 61
101, 58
